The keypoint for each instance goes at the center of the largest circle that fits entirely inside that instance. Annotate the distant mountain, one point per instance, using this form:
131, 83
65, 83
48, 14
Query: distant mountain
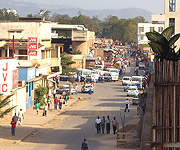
24, 8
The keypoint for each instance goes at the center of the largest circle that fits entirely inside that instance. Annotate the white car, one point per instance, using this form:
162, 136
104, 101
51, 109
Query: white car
132, 92
128, 86
126, 80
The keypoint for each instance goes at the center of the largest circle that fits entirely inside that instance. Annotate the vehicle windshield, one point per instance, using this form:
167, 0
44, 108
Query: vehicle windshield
126, 78
136, 79
132, 89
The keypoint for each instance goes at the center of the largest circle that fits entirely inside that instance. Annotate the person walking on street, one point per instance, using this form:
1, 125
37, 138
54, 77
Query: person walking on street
54, 93
37, 107
45, 109
103, 124
13, 126
98, 125
20, 116
84, 145
55, 103
66, 100
127, 105
49, 102
15, 118
108, 127
60, 103
114, 125
90, 92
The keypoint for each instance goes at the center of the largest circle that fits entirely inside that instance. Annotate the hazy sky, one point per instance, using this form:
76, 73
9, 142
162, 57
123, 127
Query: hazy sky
155, 6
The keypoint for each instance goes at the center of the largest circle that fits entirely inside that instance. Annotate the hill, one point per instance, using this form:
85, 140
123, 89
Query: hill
24, 8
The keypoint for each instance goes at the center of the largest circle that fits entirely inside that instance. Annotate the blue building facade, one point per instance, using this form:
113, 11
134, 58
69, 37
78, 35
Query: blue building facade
28, 75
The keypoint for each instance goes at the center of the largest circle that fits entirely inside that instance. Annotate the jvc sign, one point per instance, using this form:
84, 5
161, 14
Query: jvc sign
32, 53
6, 75
32, 46
32, 39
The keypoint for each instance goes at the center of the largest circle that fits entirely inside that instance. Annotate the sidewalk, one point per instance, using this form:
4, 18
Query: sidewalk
31, 122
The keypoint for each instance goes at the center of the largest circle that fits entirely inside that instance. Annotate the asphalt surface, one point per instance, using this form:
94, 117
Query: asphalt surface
67, 131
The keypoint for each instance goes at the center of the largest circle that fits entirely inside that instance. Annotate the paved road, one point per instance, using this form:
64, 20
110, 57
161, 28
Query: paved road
67, 131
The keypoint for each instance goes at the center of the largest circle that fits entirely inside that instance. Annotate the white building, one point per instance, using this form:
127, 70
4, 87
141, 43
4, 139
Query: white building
171, 16
147, 27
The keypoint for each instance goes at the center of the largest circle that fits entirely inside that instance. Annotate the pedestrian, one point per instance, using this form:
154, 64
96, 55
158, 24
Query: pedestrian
49, 102
60, 103
54, 93
13, 126
103, 124
98, 125
66, 100
20, 116
90, 92
108, 127
84, 145
55, 103
114, 125
45, 109
127, 105
15, 118
37, 107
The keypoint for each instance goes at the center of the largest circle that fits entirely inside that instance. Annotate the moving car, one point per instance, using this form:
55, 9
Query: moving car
126, 80
141, 65
87, 87
129, 85
135, 100
132, 91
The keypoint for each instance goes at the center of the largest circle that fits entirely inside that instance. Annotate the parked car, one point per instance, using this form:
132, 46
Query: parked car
73, 90
128, 86
135, 100
126, 80
66, 89
87, 87
132, 92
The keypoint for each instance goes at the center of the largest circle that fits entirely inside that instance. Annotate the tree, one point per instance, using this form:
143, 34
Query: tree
3, 103
163, 44
8, 15
41, 91
73, 52
65, 62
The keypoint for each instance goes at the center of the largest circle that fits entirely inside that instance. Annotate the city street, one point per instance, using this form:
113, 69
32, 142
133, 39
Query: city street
69, 129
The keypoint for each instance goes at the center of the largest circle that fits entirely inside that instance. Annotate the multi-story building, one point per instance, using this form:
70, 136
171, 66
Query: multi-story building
147, 27
38, 53
171, 16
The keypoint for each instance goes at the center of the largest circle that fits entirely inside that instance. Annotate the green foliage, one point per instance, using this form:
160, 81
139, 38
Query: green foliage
41, 91
65, 62
163, 44
5, 15
4, 102
73, 52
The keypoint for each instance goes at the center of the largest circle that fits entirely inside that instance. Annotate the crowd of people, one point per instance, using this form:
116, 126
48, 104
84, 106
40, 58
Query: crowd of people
105, 123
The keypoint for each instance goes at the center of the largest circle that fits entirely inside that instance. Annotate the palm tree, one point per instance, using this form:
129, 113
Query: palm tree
4, 102
163, 44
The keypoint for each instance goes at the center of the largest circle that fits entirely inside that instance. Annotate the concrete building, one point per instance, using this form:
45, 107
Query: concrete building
147, 27
38, 53
80, 61
171, 16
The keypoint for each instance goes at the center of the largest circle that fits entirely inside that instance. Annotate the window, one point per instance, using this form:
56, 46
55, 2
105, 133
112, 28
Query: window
142, 37
10, 53
160, 29
151, 29
141, 29
22, 52
171, 21
42, 54
172, 5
